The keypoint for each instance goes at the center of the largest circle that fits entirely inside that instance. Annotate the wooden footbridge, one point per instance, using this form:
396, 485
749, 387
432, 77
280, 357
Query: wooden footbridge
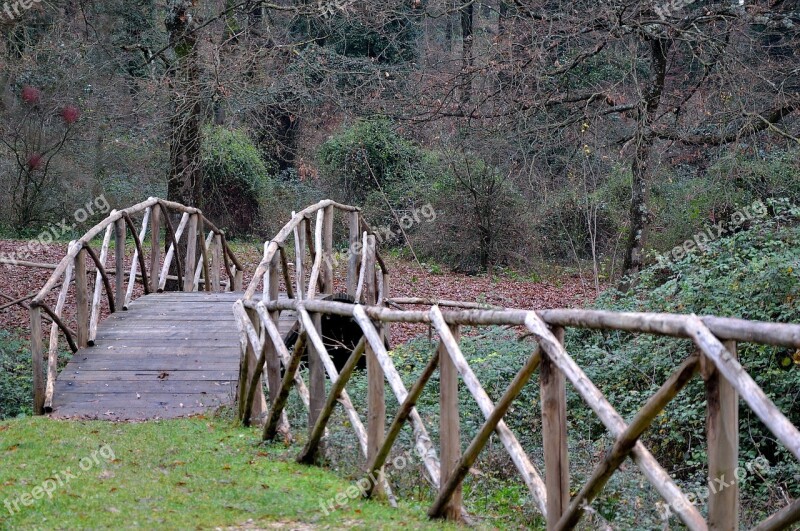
208, 342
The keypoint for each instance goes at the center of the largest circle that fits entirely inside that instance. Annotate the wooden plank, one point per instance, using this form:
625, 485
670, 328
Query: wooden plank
722, 431
553, 393
449, 426
153, 385
138, 376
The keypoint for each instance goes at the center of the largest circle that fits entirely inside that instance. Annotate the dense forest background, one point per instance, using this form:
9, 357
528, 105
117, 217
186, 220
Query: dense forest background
589, 133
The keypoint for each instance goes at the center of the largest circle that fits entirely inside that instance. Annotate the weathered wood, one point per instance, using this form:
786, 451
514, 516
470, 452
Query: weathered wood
553, 392
422, 440
471, 382
254, 402
138, 257
81, 300
287, 279
376, 399
377, 462
730, 369
783, 519
449, 426
204, 243
191, 254
24, 263
52, 356
37, 355
479, 441
353, 253
309, 452
316, 255
119, 262
362, 273
155, 246
722, 430
216, 258
300, 259
173, 251
326, 273
625, 442
289, 379
614, 423
98, 280
316, 368
273, 362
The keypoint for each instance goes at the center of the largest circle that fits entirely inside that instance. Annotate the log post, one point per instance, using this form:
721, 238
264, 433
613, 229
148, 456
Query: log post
376, 399
273, 362
316, 377
203, 254
155, 250
258, 407
82, 299
37, 353
216, 259
449, 425
191, 254
554, 436
300, 258
722, 429
327, 251
353, 252
119, 260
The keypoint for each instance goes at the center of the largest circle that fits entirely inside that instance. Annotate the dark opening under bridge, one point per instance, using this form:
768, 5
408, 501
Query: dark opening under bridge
210, 342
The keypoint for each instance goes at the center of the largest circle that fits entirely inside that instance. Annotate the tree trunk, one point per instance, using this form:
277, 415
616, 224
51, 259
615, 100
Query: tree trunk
640, 215
467, 18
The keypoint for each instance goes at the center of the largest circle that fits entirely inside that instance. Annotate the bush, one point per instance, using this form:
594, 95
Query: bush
16, 379
237, 180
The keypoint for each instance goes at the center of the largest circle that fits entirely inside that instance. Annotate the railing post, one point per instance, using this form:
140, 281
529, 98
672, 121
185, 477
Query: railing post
201, 236
191, 254
37, 354
326, 270
155, 250
259, 405
376, 399
722, 429
273, 363
216, 259
353, 252
82, 299
300, 259
554, 436
119, 257
449, 425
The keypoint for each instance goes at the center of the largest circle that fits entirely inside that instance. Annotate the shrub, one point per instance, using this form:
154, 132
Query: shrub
16, 380
237, 180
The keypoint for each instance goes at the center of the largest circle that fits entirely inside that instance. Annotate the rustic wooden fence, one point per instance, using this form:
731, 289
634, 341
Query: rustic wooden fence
147, 267
715, 360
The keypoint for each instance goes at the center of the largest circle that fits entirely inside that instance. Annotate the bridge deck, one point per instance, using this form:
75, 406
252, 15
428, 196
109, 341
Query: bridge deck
170, 355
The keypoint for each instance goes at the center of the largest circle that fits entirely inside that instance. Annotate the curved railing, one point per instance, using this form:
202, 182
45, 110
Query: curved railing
152, 272
714, 359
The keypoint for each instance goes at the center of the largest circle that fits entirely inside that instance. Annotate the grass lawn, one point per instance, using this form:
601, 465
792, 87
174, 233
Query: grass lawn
179, 474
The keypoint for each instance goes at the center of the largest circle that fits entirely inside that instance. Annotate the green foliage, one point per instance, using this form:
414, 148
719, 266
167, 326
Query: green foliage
370, 159
16, 378
236, 179
753, 274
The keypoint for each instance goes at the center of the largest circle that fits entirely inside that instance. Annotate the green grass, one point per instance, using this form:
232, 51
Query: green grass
179, 474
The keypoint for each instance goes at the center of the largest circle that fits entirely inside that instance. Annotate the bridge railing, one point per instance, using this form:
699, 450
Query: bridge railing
306, 240
715, 359
207, 253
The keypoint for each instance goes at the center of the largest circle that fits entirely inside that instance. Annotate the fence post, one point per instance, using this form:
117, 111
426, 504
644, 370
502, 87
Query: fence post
120, 231
81, 299
449, 425
273, 364
326, 268
155, 250
259, 405
353, 252
216, 262
376, 400
37, 353
554, 436
722, 431
300, 259
191, 254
